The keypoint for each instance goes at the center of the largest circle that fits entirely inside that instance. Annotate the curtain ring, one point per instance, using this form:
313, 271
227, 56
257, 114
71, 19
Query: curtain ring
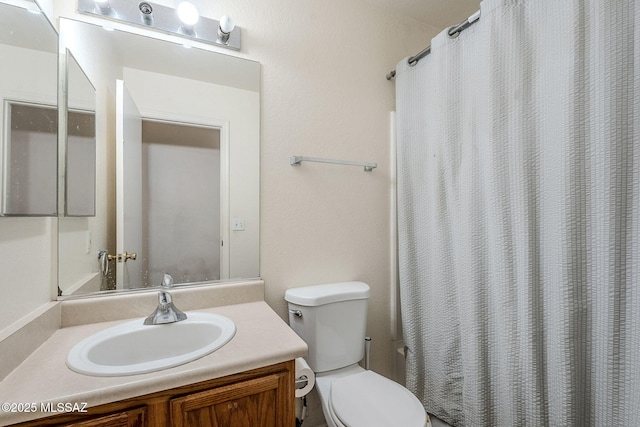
454, 31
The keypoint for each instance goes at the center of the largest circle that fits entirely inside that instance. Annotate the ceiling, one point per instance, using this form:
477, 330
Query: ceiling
437, 13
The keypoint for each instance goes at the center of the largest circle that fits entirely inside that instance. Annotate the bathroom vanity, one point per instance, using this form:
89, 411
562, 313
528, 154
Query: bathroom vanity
263, 396
247, 382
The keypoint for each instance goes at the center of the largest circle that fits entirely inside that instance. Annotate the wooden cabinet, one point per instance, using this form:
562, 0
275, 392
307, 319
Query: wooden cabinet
131, 418
261, 397
260, 401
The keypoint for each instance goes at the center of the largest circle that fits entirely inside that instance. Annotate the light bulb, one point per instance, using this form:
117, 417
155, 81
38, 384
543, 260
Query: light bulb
103, 6
224, 29
188, 13
226, 24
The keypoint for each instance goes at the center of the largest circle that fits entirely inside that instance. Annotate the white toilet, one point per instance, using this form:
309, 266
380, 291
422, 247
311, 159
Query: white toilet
332, 319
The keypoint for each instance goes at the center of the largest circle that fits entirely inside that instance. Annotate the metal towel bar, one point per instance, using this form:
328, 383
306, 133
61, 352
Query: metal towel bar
297, 160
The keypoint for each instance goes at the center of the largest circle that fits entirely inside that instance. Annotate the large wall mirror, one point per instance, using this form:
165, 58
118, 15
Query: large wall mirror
28, 111
177, 133
28, 160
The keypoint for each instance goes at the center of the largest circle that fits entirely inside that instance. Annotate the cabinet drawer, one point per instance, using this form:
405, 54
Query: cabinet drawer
130, 418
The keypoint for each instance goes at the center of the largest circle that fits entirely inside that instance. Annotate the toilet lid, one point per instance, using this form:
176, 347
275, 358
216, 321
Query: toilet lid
367, 399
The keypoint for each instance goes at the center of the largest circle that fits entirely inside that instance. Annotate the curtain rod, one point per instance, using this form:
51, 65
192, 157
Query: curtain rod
453, 32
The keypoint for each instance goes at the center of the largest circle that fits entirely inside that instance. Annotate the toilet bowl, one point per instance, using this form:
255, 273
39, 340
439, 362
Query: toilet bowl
332, 319
355, 397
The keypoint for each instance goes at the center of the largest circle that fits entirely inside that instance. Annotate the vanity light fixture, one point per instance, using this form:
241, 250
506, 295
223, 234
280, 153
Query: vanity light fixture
183, 21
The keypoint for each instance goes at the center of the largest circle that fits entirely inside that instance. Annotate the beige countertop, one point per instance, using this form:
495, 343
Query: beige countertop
262, 338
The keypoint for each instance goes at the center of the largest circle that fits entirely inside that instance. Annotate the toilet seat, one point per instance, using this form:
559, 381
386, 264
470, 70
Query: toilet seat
367, 399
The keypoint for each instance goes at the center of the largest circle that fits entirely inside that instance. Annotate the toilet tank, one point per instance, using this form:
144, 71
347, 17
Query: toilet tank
332, 320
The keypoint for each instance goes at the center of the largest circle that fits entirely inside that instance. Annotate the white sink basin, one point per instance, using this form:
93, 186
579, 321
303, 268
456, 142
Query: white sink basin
134, 348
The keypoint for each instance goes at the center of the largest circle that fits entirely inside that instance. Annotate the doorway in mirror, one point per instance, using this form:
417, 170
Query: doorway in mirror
181, 201
169, 199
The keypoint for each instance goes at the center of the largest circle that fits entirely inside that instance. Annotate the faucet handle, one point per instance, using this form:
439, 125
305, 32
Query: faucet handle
164, 298
167, 281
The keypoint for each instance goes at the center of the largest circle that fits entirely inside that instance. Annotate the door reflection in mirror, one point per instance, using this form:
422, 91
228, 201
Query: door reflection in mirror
168, 191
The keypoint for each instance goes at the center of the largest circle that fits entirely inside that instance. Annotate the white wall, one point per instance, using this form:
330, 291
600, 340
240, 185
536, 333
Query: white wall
324, 94
28, 265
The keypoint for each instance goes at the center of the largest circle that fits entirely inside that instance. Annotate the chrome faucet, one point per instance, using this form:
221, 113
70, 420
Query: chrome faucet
165, 312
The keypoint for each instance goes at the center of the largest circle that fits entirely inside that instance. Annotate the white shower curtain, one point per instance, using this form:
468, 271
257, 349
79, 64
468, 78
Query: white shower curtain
519, 216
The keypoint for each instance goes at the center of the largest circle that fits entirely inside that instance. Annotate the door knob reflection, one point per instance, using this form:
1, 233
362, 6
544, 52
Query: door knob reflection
123, 257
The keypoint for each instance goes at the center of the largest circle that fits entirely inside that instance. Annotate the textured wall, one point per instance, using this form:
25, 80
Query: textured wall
324, 94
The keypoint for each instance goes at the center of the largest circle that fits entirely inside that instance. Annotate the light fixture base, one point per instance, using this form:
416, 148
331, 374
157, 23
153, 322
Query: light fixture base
164, 19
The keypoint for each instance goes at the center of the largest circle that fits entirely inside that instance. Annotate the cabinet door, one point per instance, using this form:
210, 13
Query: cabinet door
132, 418
264, 401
